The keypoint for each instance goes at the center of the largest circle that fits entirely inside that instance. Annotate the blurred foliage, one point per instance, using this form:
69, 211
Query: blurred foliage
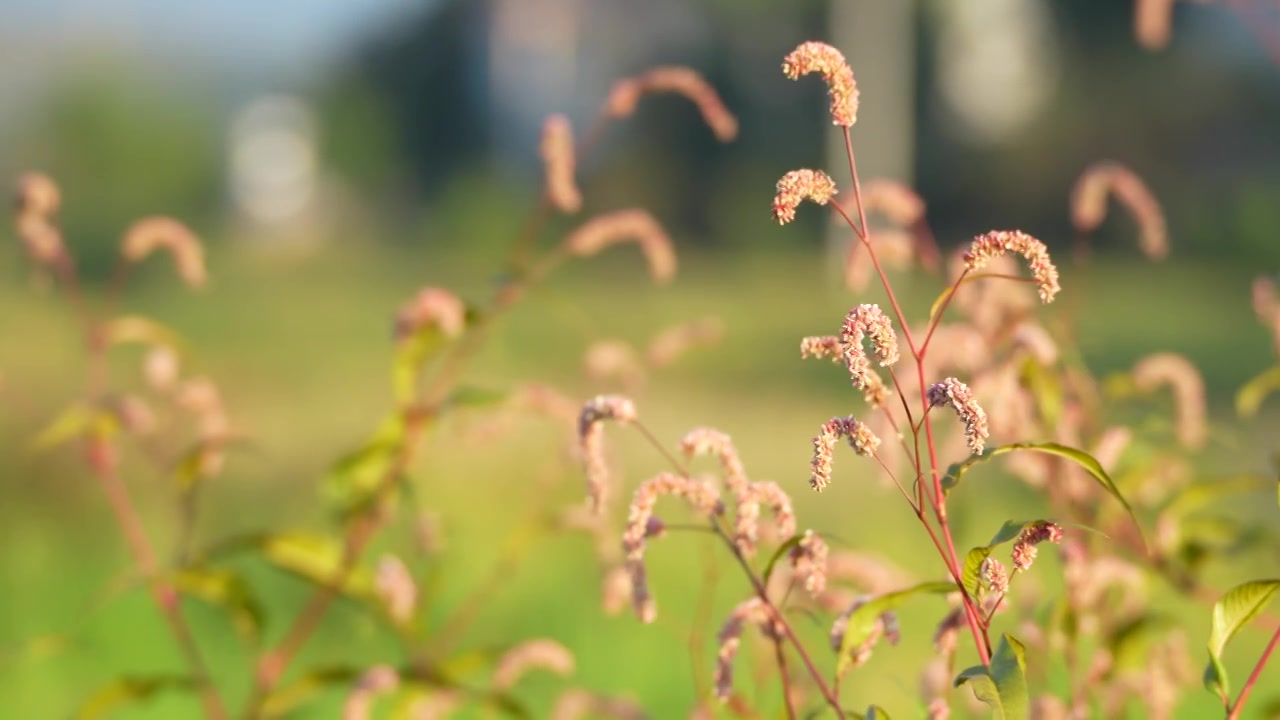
124, 142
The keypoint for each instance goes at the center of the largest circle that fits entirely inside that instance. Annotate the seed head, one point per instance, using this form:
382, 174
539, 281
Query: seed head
377, 680
431, 307
1153, 23
149, 234
633, 225
702, 496
575, 704
709, 441
558, 164
1024, 548
747, 514
956, 394
822, 346
38, 195
998, 242
994, 576
1188, 393
544, 654
591, 438
394, 585
749, 612
797, 186
683, 81
947, 636
809, 562
861, 322
1089, 204
614, 359
160, 368
825, 60
860, 438
667, 346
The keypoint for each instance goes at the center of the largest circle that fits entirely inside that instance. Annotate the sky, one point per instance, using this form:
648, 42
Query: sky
269, 36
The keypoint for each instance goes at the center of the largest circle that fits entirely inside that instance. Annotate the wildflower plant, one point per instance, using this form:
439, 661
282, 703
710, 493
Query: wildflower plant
1015, 395
973, 382
436, 334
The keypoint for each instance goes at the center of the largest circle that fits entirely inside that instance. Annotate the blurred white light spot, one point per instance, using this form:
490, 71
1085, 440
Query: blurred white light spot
273, 159
997, 64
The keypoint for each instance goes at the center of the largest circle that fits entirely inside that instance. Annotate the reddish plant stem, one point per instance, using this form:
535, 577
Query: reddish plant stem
271, 665
827, 693
950, 558
163, 593
779, 653
1238, 705
359, 534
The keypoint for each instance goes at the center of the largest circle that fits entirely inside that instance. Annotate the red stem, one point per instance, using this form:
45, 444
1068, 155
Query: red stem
1238, 705
165, 595
950, 557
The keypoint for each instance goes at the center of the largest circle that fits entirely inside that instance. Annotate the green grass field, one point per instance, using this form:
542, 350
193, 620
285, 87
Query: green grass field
301, 347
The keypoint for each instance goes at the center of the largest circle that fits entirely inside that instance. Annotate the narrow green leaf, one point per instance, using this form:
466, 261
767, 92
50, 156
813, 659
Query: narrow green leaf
1003, 685
70, 424
310, 556
130, 691
226, 591
1251, 395
1241, 604
290, 696
875, 712
1079, 457
778, 554
412, 354
353, 480
862, 621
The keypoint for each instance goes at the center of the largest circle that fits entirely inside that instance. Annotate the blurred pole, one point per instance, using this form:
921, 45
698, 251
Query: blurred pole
878, 37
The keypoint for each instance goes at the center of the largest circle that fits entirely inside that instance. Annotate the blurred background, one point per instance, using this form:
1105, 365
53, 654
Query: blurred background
336, 156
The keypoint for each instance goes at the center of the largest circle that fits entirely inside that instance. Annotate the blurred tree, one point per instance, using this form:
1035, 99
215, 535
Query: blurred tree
122, 144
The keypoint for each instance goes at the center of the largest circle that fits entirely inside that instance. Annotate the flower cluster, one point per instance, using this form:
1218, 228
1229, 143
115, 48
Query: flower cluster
811, 57
998, 242
797, 186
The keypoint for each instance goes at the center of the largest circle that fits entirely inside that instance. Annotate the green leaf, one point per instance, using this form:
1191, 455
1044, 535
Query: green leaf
1241, 604
130, 691
875, 712
288, 697
353, 481
1086, 461
412, 354
310, 556
778, 554
1250, 396
862, 621
69, 424
1002, 685
1010, 530
227, 591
